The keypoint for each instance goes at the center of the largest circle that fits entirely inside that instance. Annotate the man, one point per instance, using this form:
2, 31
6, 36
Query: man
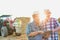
34, 29
51, 24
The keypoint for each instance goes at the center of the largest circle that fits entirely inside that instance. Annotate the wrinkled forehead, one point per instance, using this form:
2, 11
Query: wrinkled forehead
35, 15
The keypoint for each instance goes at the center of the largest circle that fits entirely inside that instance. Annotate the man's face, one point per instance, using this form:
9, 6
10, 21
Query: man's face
47, 13
36, 18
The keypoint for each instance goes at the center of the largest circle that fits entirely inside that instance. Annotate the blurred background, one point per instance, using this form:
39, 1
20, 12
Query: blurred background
25, 8
12, 12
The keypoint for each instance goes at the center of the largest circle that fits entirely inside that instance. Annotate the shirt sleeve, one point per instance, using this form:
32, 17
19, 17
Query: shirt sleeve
56, 23
28, 29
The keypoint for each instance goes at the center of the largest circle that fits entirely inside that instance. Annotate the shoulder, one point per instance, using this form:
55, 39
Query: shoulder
53, 19
31, 23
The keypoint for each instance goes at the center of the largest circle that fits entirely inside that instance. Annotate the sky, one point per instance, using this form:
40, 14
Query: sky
25, 8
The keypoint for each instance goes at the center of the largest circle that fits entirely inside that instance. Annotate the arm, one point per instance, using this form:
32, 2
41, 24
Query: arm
57, 27
33, 34
29, 32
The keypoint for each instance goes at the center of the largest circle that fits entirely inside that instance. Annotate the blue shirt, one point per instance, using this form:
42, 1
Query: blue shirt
32, 28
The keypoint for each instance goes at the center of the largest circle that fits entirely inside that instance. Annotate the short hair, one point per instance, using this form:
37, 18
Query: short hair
47, 11
35, 13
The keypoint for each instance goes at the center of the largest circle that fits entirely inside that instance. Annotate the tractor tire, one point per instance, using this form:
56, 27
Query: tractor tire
4, 32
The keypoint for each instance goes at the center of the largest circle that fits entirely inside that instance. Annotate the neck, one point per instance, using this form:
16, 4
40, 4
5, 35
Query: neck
46, 20
37, 23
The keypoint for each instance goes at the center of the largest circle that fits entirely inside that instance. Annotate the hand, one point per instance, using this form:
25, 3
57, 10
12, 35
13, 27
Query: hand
46, 34
40, 32
53, 30
33, 33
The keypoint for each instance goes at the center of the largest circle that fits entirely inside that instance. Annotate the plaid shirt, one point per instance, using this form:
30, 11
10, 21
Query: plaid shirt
52, 24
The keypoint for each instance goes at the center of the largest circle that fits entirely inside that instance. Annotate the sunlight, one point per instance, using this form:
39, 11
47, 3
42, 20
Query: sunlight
42, 16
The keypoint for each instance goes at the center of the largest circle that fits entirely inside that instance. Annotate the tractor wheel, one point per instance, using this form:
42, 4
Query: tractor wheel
4, 31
